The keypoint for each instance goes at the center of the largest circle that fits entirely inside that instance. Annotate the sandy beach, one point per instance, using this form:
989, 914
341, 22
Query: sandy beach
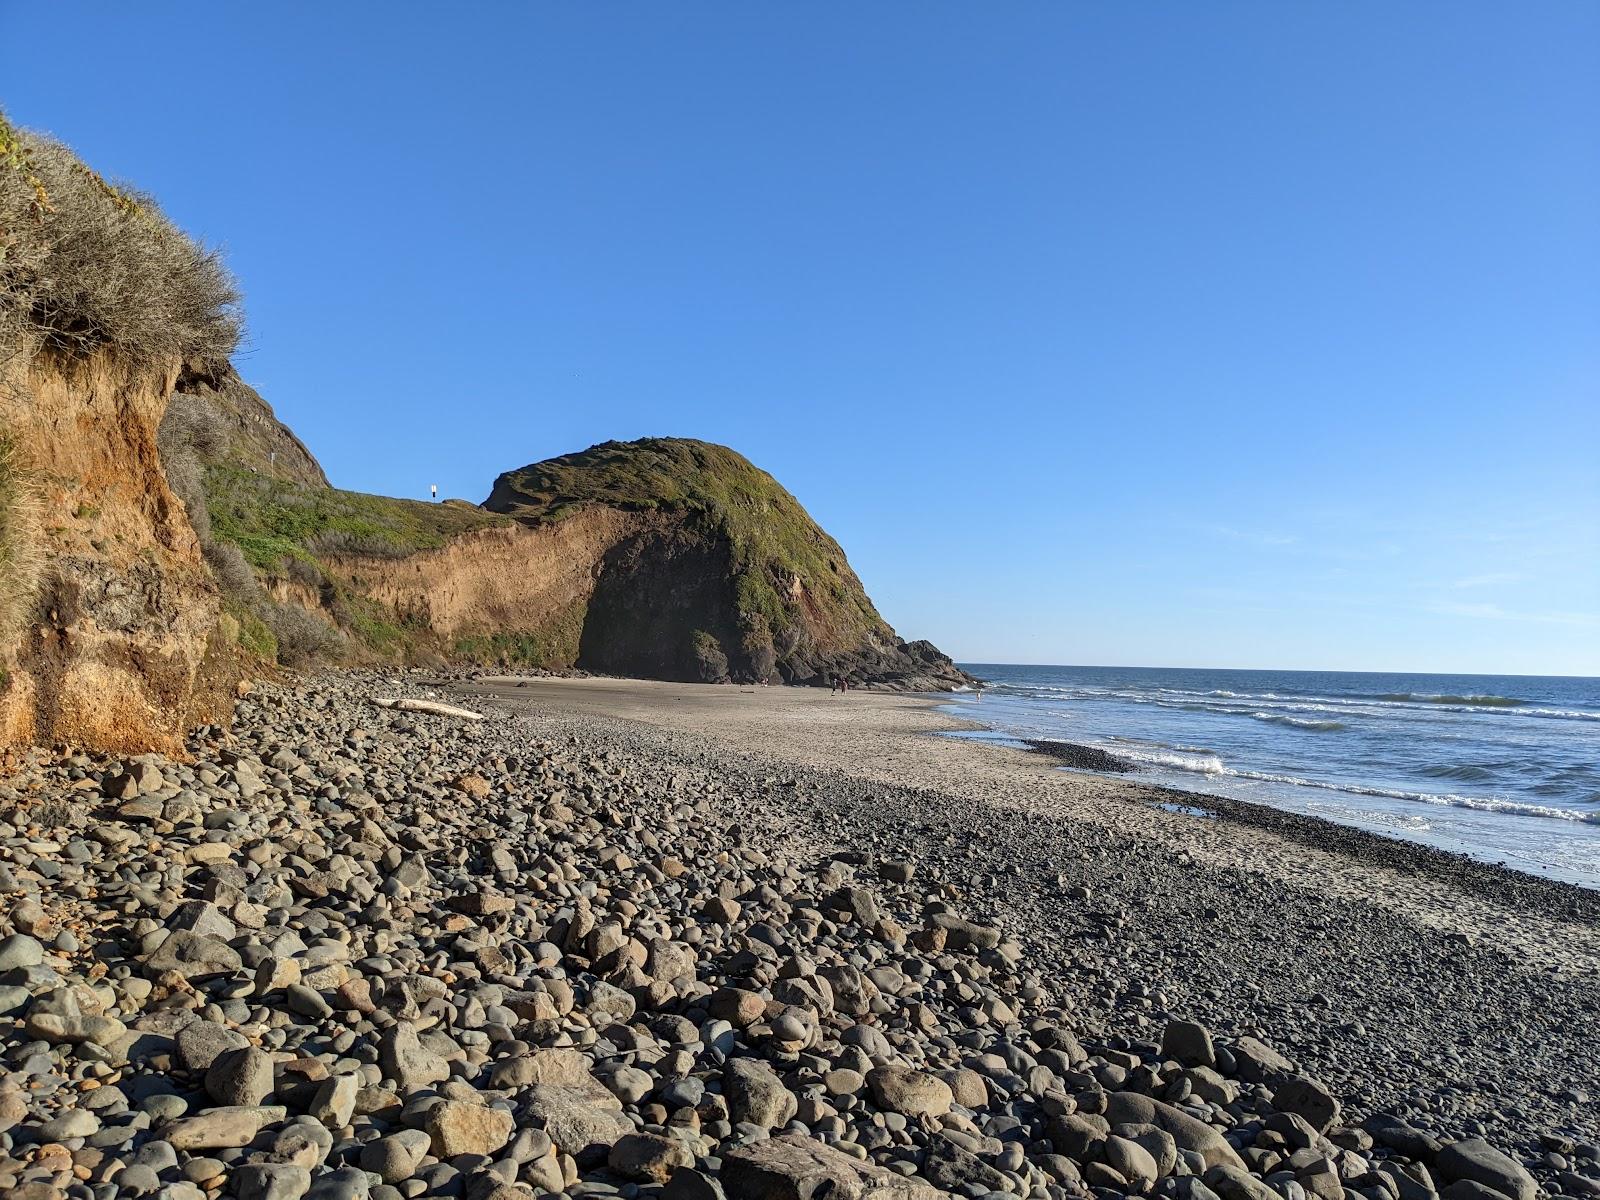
1398, 971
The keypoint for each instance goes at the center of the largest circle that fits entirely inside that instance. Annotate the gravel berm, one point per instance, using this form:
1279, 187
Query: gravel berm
348, 952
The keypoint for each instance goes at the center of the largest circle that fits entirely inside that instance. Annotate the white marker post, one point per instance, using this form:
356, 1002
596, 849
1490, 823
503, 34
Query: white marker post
434, 490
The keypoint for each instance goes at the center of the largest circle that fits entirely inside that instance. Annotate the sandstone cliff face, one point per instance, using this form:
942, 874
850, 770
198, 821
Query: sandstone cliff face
116, 641
503, 593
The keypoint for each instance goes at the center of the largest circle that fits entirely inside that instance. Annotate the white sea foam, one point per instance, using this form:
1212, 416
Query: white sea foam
1213, 766
1565, 714
1235, 703
1200, 764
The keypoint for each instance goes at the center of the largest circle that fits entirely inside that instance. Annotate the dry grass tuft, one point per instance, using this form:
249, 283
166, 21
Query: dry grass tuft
21, 553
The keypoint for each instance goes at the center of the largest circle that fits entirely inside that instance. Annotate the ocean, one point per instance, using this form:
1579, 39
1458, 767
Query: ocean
1503, 768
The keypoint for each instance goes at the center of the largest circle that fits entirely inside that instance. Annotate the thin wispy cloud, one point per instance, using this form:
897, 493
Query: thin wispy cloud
1256, 537
1493, 612
1489, 580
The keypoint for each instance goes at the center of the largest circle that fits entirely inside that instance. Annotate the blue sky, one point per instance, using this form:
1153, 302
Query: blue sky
1177, 334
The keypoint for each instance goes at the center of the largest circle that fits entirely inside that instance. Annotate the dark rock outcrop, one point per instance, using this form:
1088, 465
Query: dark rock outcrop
724, 567
253, 437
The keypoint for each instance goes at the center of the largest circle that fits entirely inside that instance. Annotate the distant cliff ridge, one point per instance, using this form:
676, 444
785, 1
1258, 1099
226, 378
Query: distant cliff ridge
664, 558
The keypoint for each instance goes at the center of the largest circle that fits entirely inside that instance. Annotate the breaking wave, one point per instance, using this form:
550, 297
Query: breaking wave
1225, 703
1475, 701
1298, 722
1564, 714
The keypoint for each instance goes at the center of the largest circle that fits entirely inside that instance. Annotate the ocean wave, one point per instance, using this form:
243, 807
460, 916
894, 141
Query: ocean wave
1368, 706
1200, 764
1477, 701
1214, 767
1279, 717
1384, 706
1299, 722
1124, 740
1564, 714
1463, 772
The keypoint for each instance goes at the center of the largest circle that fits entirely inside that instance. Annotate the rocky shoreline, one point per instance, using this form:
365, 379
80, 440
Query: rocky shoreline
1492, 880
353, 952
1081, 758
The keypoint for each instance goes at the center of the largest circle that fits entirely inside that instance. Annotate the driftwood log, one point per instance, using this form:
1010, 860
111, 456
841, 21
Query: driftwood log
428, 706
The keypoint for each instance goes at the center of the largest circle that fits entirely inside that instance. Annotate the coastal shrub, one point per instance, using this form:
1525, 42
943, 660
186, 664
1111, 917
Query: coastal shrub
301, 635
190, 431
254, 635
710, 663
85, 264
335, 542
235, 577
308, 575
369, 622
20, 555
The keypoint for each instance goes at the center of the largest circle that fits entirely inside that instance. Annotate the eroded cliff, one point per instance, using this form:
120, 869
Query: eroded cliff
114, 636
111, 630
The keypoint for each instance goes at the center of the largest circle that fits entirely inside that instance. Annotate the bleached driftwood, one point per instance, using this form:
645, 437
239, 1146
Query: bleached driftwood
428, 706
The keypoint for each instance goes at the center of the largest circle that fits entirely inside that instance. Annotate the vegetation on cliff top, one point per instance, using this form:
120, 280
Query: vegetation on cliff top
273, 519
262, 526
782, 561
85, 264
